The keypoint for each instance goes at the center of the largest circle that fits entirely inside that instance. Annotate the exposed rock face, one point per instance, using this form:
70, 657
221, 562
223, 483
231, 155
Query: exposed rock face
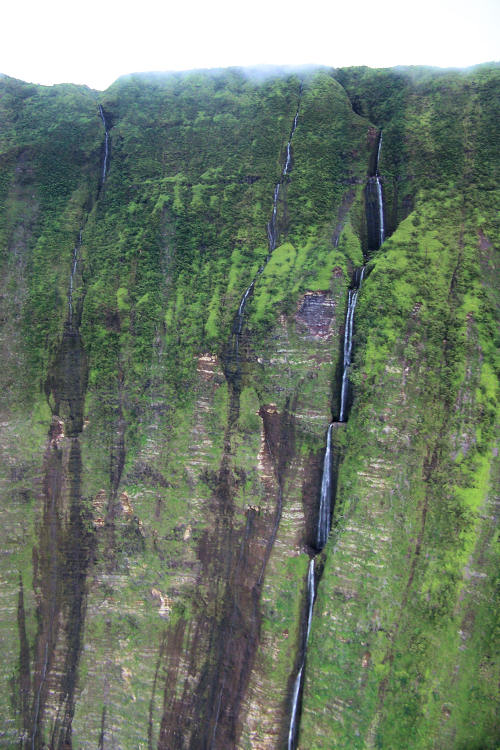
315, 313
159, 486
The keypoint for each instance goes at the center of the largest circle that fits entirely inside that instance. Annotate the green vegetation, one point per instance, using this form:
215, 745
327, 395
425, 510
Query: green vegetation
197, 498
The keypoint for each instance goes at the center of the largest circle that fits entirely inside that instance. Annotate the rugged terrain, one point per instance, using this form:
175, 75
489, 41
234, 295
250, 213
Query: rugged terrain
163, 435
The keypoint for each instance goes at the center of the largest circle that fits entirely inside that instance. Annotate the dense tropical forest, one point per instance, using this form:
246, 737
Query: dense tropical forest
248, 398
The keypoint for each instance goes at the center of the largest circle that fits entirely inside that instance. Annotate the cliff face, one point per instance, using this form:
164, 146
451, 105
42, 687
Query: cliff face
163, 433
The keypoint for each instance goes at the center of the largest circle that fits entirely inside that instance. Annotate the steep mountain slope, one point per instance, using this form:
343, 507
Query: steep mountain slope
176, 255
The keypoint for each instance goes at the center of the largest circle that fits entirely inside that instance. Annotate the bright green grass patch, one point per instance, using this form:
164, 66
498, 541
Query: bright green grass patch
274, 281
239, 268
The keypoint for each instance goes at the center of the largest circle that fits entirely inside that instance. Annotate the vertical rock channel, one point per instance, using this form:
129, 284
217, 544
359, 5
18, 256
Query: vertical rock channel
375, 226
105, 161
349, 327
374, 203
222, 645
233, 375
65, 539
233, 363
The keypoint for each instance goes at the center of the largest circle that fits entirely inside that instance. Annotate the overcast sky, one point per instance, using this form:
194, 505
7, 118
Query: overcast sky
96, 41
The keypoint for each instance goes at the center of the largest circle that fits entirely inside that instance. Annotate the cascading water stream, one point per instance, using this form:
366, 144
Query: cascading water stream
74, 266
272, 235
272, 231
311, 595
241, 308
322, 531
380, 211
106, 146
374, 201
325, 504
354, 292
349, 325
64, 537
379, 194
232, 372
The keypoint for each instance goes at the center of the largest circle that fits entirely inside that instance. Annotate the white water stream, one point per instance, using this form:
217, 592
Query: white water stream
349, 325
324, 514
379, 195
272, 234
311, 595
325, 501
74, 266
106, 146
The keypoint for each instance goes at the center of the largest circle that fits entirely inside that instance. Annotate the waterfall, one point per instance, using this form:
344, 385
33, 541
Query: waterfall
72, 277
379, 194
238, 323
326, 496
322, 531
243, 302
272, 236
325, 503
380, 210
106, 146
378, 152
354, 292
374, 202
272, 230
349, 324
311, 595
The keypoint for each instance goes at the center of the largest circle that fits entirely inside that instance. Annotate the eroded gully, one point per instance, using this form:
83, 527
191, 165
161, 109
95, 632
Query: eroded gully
375, 226
65, 540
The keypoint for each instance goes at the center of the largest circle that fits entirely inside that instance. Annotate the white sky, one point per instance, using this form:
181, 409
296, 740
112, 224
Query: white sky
95, 41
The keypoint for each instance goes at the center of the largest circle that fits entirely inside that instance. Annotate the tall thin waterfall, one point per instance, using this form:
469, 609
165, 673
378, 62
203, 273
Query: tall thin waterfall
349, 325
243, 303
354, 291
272, 230
379, 194
106, 146
322, 531
380, 210
272, 235
374, 201
74, 266
297, 686
325, 501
